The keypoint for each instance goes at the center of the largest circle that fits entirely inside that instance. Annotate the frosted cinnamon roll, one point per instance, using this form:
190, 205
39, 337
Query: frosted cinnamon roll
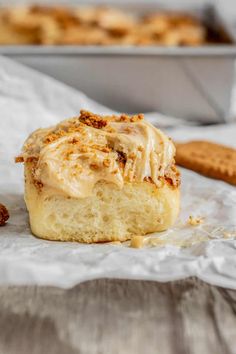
99, 178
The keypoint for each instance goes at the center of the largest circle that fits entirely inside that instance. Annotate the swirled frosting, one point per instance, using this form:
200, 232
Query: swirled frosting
71, 157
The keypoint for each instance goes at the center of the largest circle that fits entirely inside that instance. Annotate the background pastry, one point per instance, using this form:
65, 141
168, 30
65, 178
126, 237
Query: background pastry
98, 25
94, 179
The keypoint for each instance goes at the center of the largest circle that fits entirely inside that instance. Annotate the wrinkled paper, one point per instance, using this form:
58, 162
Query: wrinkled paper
29, 100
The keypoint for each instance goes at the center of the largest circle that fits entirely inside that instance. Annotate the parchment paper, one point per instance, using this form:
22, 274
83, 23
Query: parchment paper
29, 100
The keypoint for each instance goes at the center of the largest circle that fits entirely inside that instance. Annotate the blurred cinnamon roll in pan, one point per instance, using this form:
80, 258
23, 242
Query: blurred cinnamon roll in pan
98, 25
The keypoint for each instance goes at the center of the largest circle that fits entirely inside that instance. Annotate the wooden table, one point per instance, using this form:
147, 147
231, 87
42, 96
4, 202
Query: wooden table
118, 316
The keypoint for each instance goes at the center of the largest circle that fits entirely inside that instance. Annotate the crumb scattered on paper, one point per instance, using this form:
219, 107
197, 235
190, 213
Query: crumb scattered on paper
195, 221
137, 242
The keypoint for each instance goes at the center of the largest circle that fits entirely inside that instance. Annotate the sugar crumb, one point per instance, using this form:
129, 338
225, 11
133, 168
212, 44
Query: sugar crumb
195, 221
137, 242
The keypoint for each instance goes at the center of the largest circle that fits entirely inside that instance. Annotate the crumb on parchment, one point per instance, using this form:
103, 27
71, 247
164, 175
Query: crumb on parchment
195, 220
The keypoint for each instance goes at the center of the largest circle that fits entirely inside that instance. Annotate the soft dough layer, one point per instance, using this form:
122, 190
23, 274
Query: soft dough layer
110, 214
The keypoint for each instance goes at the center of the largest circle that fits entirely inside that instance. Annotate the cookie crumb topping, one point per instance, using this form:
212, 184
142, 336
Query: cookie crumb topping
72, 156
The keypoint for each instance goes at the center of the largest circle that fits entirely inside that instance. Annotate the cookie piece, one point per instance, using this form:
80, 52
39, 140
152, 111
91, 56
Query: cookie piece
4, 215
210, 159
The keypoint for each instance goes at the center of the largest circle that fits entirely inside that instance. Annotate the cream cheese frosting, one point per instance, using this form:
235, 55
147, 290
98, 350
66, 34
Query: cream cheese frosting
71, 157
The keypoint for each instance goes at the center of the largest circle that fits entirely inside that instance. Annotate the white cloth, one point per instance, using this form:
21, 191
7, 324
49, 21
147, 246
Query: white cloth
29, 100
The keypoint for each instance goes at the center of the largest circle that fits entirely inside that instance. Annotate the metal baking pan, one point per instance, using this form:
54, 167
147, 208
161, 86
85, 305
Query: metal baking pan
194, 83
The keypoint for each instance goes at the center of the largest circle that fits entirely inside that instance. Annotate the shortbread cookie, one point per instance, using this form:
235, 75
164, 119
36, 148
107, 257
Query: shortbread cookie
210, 159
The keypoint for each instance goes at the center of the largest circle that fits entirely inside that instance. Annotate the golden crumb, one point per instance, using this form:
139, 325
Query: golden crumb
83, 148
105, 149
148, 179
106, 162
132, 156
92, 119
76, 128
227, 234
101, 148
51, 137
68, 154
84, 157
172, 176
137, 242
97, 121
195, 221
19, 159
94, 166
76, 169
38, 184
31, 159
74, 141
126, 118
137, 117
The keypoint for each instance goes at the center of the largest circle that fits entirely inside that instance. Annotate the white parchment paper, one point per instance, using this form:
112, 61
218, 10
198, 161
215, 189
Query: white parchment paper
29, 100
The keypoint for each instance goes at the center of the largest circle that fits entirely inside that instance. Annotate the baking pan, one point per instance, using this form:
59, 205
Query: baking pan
194, 83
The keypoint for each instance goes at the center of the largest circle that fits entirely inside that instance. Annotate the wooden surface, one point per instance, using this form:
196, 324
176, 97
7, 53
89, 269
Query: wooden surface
118, 316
